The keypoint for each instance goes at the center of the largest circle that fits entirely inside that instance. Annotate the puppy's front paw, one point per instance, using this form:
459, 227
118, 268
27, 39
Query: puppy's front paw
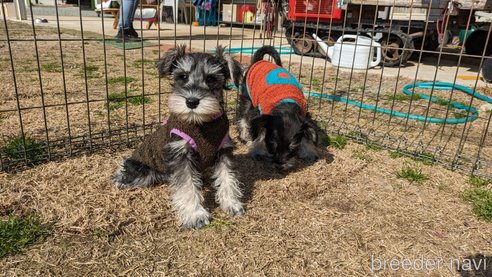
119, 179
234, 208
196, 219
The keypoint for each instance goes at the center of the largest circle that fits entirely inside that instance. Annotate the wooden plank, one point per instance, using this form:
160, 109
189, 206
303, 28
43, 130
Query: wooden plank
465, 4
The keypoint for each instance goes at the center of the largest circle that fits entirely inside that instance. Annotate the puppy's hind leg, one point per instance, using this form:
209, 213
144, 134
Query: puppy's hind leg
186, 183
228, 192
244, 130
133, 174
244, 116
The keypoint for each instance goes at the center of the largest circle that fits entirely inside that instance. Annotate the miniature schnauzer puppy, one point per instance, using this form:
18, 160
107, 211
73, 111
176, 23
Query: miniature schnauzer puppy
195, 137
272, 113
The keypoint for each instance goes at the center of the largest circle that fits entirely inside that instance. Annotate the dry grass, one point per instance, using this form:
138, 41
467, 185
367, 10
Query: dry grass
67, 112
325, 219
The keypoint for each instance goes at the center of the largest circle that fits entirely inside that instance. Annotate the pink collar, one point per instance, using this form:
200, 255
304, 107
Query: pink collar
186, 137
192, 142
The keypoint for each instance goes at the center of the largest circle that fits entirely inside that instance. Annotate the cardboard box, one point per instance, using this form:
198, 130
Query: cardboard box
229, 12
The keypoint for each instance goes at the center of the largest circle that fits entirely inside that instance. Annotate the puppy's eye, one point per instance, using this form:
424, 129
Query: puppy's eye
211, 79
183, 77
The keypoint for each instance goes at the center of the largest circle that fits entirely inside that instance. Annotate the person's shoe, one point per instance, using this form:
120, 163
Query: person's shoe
128, 35
132, 32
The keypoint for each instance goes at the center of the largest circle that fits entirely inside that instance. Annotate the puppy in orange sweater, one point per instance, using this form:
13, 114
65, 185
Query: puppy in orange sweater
273, 119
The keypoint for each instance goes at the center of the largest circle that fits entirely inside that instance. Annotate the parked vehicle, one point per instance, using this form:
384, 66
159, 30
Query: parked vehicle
399, 26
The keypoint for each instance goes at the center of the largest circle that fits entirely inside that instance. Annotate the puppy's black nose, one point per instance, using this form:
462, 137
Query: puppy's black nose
192, 102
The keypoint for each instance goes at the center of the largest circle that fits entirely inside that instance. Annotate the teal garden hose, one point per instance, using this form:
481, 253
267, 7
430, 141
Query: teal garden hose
471, 111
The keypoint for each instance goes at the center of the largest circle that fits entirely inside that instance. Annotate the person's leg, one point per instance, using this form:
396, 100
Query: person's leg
125, 25
135, 6
127, 11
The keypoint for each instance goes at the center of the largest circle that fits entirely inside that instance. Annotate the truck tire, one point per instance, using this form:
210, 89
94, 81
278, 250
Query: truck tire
396, 47
475, 43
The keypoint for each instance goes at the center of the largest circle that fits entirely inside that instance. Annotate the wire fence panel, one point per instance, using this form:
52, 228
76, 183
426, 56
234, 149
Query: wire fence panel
409, 76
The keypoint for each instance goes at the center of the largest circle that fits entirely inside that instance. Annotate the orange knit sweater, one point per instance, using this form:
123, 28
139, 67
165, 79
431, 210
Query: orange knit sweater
269, 85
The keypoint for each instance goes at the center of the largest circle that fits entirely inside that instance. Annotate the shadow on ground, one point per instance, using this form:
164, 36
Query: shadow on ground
251, 171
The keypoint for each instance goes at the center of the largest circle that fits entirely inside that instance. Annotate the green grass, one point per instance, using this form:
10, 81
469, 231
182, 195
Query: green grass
338, 141
396, 154
14, 149
374, 147
18, 233
120, 80
413, 175
117, 100
220, 223
403, 97
138, 100
140, 62
425, 158
91, 68
117, 96
481, 200
461, 103
115, 105
51, 67
478, 182
460, 114
90, 72
316, 84
441, 102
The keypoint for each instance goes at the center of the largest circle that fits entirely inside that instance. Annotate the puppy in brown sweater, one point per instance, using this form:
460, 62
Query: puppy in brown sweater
195, 137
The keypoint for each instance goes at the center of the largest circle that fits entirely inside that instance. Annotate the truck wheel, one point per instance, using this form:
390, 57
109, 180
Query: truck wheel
475, 43
302, 44
396, 49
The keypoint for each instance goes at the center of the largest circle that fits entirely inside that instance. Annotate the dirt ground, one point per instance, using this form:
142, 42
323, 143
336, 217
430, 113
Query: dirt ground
337, 217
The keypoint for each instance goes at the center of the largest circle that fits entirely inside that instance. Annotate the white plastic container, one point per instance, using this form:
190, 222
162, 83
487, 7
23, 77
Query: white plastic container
353, 51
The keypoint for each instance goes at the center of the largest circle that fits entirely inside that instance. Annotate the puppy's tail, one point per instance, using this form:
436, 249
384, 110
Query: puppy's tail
267, 49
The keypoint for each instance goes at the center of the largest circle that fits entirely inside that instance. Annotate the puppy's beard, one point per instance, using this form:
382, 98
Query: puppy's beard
207, 110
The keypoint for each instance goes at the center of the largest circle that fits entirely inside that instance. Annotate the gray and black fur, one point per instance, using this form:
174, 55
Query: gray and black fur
281, 136
195, 102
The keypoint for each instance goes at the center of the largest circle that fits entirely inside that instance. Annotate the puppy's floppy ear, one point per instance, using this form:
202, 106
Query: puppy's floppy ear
167, 63
259, 123
310, 130
233, 67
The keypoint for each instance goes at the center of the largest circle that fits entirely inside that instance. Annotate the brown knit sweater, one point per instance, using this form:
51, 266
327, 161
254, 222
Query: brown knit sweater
207, 137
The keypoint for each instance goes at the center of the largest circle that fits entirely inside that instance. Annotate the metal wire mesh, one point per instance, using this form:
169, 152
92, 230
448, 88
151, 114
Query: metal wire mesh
69, 89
